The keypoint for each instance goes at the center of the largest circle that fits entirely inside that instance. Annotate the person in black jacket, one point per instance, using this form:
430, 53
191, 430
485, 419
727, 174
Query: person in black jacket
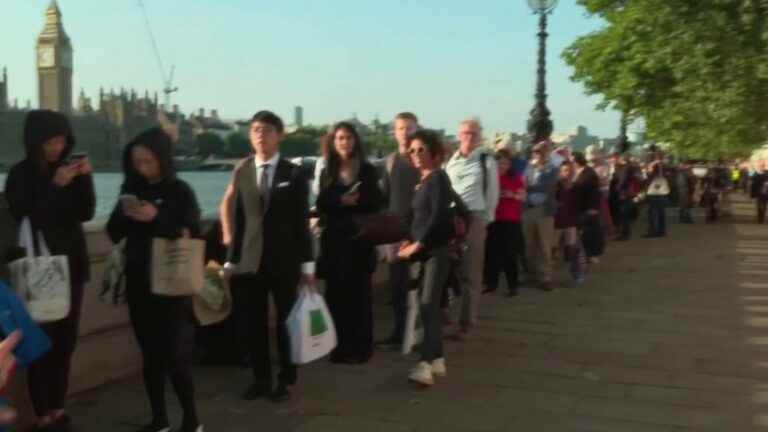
586, 185
265, 219
759, 191
168, 209
431, 233
57, 196
349, 186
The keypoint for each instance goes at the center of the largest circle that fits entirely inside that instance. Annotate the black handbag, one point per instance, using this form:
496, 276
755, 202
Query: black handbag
380, 228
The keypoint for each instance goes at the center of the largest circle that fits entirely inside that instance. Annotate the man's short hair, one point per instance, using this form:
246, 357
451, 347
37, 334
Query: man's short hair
270, 118
473, 121
407, 115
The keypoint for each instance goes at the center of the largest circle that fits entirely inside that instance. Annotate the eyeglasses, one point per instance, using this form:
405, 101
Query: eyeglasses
417, 150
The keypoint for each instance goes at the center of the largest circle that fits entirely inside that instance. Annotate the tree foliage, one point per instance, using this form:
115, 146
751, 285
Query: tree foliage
207, 144
695, 70
238, 146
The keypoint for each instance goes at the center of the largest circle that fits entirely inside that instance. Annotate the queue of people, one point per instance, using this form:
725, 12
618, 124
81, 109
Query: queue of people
495, 213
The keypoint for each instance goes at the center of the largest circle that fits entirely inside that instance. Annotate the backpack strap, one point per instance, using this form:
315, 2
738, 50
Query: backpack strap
483, 160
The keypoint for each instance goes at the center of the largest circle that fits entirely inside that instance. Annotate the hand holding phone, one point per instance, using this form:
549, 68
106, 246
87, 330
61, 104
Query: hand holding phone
354, 188
130, 202
77, 157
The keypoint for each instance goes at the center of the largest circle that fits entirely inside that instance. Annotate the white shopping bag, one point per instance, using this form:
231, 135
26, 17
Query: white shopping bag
311, 328
42, 281
178, 267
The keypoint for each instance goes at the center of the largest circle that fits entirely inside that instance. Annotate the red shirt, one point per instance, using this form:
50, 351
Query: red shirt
510, 209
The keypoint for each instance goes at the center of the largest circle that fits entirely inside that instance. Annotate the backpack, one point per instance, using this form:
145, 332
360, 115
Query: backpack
460, 218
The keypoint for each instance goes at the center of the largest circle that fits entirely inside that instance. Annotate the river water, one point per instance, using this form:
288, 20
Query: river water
209, 188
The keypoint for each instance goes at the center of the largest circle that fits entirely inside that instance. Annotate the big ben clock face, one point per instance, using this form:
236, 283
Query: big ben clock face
45, 57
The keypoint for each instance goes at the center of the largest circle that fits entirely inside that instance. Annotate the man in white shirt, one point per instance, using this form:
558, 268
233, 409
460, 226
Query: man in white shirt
475, 178
265, 219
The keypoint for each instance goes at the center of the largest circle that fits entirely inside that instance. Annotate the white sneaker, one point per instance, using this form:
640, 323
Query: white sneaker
438, 367
422, 374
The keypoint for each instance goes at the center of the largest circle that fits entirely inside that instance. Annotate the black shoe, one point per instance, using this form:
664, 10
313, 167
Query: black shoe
156, 426
64, 424
391, 343
489, 290
255, 392
281, 394
546, 286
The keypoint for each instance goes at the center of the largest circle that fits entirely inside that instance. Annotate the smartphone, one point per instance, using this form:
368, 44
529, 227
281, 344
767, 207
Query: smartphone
76, 157
130, 201
354, 188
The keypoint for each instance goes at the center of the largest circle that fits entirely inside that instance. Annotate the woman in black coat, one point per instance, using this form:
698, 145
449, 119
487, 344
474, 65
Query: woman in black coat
349, 186
586, 185
56, 193
167, 209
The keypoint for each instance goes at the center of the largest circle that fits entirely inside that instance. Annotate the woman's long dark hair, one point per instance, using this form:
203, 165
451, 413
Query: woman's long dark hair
333, 159
157, 141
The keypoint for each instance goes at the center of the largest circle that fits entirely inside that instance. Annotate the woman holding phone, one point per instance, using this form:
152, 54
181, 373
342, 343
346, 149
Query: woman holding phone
155, 203
349, 186
56, 194
431, 233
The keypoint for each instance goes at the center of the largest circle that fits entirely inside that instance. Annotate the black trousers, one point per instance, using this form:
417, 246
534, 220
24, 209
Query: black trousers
349, 297
48, 377
593, 236
399, 282
165, 334
503, 245
623, 216
250, 300
761, 205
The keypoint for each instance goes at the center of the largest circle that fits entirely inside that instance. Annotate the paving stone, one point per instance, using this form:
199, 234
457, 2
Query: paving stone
667, 335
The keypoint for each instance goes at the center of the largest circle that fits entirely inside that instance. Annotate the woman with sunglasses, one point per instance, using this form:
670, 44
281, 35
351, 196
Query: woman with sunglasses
428, 249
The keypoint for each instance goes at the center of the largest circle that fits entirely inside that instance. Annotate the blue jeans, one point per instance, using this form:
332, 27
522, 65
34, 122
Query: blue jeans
657, 215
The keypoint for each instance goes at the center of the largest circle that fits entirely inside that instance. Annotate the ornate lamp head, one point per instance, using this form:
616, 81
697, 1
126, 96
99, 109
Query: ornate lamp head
542, 6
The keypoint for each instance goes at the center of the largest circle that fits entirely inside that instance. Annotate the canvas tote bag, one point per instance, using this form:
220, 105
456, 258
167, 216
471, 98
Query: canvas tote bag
178, 267
42, 281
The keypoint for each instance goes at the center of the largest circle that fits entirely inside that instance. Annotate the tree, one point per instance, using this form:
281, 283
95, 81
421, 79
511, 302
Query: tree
207, 144
695, 70
237, 146
303, 142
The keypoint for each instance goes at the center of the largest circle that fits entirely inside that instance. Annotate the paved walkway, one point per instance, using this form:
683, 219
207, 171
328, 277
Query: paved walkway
666, 335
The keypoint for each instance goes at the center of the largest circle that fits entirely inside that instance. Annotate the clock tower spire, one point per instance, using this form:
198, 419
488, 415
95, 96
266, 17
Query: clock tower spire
54, 63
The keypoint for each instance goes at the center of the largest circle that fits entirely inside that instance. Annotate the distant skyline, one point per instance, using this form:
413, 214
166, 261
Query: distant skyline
441, 59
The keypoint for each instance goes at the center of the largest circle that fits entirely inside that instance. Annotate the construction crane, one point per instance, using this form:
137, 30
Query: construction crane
168, 87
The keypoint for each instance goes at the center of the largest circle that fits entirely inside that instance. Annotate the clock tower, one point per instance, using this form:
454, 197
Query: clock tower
54, 63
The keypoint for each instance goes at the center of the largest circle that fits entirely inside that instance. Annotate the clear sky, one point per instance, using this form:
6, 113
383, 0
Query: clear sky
443, 59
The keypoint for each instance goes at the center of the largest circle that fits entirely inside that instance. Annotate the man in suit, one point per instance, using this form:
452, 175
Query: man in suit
265, 217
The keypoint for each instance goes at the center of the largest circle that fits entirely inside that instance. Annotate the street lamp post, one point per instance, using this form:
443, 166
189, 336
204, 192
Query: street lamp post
540, 125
